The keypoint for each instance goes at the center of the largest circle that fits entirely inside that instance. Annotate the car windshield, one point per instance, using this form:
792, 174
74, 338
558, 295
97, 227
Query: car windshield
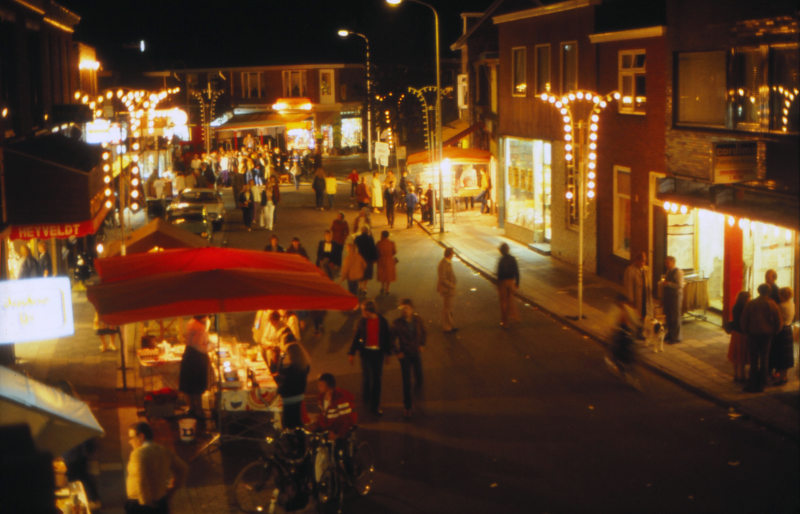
199, 197
187, 217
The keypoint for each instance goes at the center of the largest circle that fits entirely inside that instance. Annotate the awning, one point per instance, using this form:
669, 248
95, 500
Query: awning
455, 154
52, 187
257, 120
453, 128
157, 233
326, 118
461, 135
775, 212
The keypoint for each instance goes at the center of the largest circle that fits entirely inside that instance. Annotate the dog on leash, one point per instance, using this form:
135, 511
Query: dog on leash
654, 333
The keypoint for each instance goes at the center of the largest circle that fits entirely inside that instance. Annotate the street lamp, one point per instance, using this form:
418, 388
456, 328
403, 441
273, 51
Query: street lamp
345, 33
581, 115
438, 109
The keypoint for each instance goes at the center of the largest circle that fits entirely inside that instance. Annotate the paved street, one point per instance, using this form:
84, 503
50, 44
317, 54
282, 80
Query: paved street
525, 420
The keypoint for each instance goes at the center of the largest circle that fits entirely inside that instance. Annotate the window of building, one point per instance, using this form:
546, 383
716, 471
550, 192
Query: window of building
294, 84
528, 176
632, 81
519, 80
542, 69
569, 67
251, 84
784, 67
326, 86
746, 87
622, 212
701, 88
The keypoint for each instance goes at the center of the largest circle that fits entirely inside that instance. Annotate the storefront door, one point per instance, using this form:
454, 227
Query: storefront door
528, 177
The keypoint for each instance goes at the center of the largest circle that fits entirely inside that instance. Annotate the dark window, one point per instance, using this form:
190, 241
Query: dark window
569, 67
746, 87
784, 89
542, 69
520, 81
701, 88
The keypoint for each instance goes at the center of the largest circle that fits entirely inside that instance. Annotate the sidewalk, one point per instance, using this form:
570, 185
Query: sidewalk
698, 363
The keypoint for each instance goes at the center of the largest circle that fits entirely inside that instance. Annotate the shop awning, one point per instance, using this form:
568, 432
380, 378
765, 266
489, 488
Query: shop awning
772, 211
461, 135
326, 118
257, 120
52, 187
156, 234
455, 154
450, 130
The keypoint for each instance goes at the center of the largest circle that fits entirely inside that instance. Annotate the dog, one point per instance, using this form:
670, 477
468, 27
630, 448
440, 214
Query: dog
654, 333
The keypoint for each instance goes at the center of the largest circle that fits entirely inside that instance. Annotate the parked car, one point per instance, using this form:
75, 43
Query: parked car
193, 218
210, 198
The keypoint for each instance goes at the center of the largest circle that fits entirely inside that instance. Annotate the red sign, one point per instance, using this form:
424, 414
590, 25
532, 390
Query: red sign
59, 230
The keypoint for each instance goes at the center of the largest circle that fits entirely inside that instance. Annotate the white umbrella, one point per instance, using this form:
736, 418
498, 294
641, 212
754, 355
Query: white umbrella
58, 421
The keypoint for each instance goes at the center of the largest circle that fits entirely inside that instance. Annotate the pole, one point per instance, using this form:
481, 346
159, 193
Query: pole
439, 124
369, 108
581, 214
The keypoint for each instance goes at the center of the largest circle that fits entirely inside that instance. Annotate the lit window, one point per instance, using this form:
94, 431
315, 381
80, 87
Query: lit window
542, 69
569, 67
632, 81
784, 71
622, 212
251, 85
294, 84
520, 82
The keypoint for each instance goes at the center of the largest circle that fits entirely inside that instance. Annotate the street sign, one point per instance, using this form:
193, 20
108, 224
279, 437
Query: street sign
35, 309
382, 153
401, 153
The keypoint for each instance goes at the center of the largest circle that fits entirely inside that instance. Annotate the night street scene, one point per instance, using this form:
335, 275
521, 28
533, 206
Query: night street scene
399, 257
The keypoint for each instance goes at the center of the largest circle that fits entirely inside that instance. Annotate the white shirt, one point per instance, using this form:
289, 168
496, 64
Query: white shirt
223, 164
158, 184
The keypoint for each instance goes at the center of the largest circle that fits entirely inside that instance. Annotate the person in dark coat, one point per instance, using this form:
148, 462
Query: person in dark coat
507, 284
430, 197
273, 245
328, 258
409, 334
29, 267
246, 203
45, 262
292, 377
208, 174
411, 205
771, 279
761, 320
193, 379
297, 247
373, 342
318, 185
369, 252
389, 197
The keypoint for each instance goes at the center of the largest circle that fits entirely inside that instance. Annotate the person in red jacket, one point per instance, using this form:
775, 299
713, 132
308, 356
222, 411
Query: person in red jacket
336, 407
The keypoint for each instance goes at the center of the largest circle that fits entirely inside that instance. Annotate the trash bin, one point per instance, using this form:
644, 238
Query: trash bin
187, 427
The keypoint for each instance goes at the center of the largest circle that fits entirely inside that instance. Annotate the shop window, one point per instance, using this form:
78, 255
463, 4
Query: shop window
528, 176
294, 84
785, 88
711, 254
622, 212
632, 81
542, 69
746, 87
569, 67
251, 85
767, 247
519, 80
681, 238
701, 88
326, 86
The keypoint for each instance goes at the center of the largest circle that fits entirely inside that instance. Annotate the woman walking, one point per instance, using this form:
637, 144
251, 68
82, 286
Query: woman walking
353, 267
781, 352
387, 271
377, 193
292, 378
193, 381
330, 188
366, 247
737, 349
246, 204
363, 194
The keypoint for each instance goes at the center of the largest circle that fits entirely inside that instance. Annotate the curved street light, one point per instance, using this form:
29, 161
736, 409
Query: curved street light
345, 33
438, 127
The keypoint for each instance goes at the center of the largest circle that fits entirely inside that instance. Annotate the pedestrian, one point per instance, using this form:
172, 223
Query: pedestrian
44, 263
430, 197
362, 220
330, 188
404, 185
389, 197
353, 178
327, 256
362, 194
291, 320
638, 285
337, 410
297, 248
257, 188
353, 266
761, 321
193, 379
486, 189
340, 230
446, 287
318, 185
224, 169
104, 331
294, 171
29, 268
273, 245
411, 204
737, 348
410, 336
771, 278
507, 283
387, 262
275, 197
154, 473
373, 342
292, 378
781, 353
246, 204
367, 249
377, 193
263, 199
673, 300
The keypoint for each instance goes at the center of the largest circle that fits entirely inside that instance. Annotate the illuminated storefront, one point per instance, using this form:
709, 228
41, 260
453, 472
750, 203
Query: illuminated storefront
528, 178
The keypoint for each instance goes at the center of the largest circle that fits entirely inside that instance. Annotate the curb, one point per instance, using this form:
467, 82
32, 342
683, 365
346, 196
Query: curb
658, 370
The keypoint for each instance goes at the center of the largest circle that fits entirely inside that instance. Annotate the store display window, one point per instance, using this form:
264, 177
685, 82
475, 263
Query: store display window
528, 179
768, 247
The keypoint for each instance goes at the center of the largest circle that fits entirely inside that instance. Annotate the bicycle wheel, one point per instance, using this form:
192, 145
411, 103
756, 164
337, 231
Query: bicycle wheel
256, 489
330, 493
363, 468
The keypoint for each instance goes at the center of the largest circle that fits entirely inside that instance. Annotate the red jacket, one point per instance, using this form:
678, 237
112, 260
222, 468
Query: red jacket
340, 414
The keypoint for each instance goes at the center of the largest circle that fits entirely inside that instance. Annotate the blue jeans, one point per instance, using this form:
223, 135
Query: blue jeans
296, 181
482, 199
410, 361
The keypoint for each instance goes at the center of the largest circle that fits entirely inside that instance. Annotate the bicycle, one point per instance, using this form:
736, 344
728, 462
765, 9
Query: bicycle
622, 361
353, 466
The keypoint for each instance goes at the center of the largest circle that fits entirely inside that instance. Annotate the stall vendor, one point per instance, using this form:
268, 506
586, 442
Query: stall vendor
195, 364
276, 338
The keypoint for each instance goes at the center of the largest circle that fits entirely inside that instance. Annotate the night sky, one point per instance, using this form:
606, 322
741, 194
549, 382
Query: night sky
199, 33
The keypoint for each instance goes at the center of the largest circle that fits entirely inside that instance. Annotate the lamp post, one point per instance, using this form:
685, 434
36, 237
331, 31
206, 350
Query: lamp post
438, 128
345, 33
581, 115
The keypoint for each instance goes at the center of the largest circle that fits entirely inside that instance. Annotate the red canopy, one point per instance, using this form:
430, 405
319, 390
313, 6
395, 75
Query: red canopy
456, 154
205, 292
130, 267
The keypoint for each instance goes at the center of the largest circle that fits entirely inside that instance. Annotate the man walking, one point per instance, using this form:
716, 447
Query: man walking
409, 331
373, 342
673, 300
149, 469
638, 285
507, 283
389, 198
760, 321
411, 204
446, 287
